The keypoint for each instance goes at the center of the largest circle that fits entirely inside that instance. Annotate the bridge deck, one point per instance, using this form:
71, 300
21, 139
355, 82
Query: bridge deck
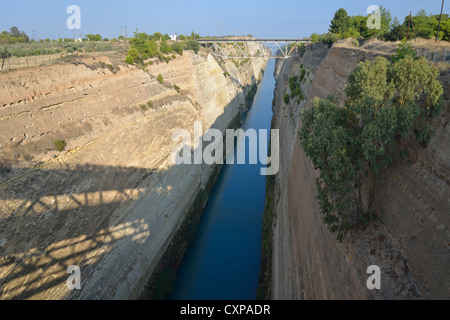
253, 48
255, 40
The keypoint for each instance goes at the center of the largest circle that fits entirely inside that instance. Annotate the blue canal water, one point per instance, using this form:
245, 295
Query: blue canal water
223, 262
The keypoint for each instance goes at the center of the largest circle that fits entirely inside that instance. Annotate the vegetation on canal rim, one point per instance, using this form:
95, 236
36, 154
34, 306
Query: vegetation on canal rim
60, 145
295, 83
352, 143
251, 95
264, 291
145, 46
16, 43
420, 25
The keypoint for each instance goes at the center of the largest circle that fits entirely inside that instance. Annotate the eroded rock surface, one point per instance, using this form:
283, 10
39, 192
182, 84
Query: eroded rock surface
112, 200
410, 242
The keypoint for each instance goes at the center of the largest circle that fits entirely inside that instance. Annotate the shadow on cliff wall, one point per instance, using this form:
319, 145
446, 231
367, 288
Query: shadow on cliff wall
67, 221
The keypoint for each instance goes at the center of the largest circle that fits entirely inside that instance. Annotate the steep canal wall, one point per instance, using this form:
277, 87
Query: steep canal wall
111, 202
408, 241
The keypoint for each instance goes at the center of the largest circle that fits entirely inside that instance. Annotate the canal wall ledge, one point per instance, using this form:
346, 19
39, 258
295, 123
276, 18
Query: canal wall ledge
408, 241
111, 202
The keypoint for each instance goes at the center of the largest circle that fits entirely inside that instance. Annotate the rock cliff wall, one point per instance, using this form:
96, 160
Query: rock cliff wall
112, 200
410, 239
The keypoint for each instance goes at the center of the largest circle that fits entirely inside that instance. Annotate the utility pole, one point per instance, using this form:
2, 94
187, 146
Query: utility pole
440, 18
4, 56
410, 23
121, 33
34, 38
126, 33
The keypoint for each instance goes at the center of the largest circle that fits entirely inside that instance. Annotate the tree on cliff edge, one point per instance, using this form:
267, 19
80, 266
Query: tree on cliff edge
352, 143
341, 22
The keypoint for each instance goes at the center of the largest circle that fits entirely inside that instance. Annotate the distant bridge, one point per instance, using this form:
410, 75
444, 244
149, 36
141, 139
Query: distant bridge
253, 48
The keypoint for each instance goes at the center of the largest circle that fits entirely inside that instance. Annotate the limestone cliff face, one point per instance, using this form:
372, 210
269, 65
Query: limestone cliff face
409, 241
112, 200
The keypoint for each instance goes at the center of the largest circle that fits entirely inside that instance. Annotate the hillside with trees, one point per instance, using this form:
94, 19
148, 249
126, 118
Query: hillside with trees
142, 46
145, 46
420, 25
14, 36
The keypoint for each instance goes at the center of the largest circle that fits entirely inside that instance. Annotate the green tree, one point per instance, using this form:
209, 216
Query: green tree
5, 38
18, 36
157, 36
444, 33
146, 45
398, 32
360, 24
193, 36
314, 38
178, 48
60, 145
329, 38
351, 32
152, 48
164, 47
140, 42
134, 54
395, 22
160, 78
341, 22
424, 26
192, 45
129, 59
95, 37
14, 31
404, 49
352, 143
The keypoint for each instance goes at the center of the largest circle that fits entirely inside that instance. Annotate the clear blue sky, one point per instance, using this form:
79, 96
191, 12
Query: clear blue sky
263, 18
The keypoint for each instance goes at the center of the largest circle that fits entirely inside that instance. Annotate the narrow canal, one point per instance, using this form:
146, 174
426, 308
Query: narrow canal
223, 262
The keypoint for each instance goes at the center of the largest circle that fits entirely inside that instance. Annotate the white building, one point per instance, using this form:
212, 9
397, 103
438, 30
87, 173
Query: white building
173, 37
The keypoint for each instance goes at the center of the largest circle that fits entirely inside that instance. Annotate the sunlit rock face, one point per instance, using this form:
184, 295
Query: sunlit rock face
111, 201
